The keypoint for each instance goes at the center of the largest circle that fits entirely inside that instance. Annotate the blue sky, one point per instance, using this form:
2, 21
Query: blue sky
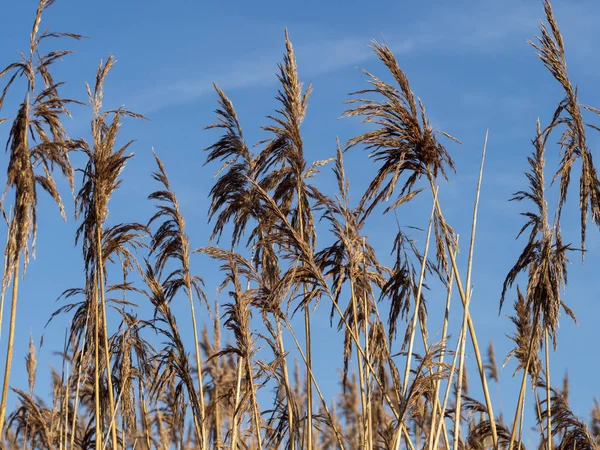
467, 60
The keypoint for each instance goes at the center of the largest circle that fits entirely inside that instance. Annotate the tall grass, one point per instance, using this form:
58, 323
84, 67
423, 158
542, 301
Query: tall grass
231, 385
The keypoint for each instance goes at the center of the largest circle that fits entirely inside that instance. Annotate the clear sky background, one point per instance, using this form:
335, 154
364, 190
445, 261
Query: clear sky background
468, 61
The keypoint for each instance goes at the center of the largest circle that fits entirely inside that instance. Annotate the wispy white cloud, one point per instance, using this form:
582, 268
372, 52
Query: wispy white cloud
315, 58
486, 26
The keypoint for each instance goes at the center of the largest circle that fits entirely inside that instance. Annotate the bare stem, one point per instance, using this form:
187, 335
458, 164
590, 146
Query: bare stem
467, 303
11, 343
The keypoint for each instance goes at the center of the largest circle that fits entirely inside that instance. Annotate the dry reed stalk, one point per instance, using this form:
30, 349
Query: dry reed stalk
526, 371
361, 374
417, 153
285, 233
112, 424
236, 408
64, 401
551, 51
368, 386
544, 259
4, 268
144, 412
418, 298
173, 362
11, 343
98, 415
473, 335
101, 288
171, 242
461, 364
31, 367
290, 182
36, 139
436, 406
254, 402
307, 257
101, 178
416, 312
286, 379
217, 340
337, 433
448, 388
449, 287
548, 402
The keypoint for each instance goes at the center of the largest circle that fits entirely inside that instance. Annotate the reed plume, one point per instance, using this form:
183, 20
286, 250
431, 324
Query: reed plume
127, 377
37, 145
101, 243
170, 242
569, 114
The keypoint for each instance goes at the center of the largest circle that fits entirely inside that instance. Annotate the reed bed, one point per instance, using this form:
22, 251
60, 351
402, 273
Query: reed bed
128, 380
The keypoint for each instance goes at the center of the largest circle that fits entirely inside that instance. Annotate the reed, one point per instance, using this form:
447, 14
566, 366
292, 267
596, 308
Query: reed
246, 375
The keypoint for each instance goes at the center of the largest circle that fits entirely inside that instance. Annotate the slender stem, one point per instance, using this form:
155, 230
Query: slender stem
66, 427
97, 371
5, 267
144, 411
448, 387
442, 354
255, 409
461, 364
65, 415
418, 299
370, 367
238, 386
101, 288
337, 433
11, 342
290, 410
204, 443
368, 385
460, 378
359, 361
112, 425
416, 311
521, 420
548, 394
309, 402
78, 385
436, 404
476, 350
538, 410
307, 334
520, 402
217, 340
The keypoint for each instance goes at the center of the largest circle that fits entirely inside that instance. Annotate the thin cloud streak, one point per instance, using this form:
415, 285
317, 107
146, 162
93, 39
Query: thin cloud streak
489, 28
316, 58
